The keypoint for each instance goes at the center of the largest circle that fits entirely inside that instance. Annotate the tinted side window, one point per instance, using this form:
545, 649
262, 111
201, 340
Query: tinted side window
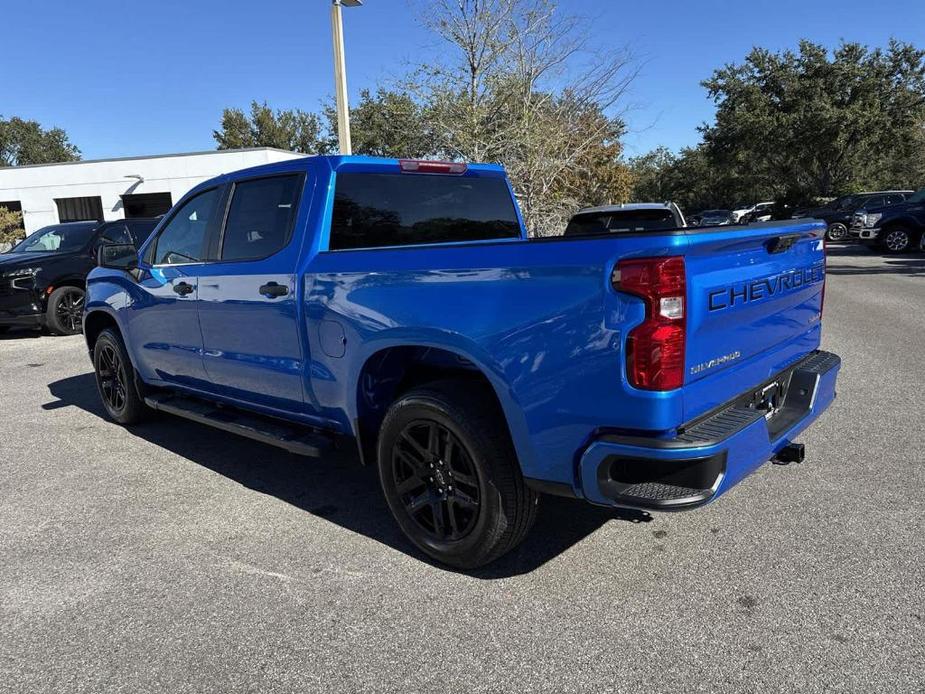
141, 231
260, 217
400, 209
183, 239
115, 233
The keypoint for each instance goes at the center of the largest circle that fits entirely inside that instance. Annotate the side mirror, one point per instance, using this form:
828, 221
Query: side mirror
117, 256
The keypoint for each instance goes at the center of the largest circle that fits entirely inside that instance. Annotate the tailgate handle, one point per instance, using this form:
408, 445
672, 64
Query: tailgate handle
782, 243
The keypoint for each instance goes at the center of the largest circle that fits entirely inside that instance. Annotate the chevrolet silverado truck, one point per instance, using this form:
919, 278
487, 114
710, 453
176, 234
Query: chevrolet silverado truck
398, 306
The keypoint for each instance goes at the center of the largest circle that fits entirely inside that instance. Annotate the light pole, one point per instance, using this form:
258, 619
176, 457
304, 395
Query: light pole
340, 73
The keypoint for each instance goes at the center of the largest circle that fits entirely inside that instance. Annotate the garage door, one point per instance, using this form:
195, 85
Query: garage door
146, 204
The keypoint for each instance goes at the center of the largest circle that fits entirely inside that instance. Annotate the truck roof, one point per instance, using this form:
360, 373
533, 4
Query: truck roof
354, 162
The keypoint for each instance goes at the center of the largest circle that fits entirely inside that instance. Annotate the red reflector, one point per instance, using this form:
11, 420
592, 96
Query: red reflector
655, 356
655, 349
432, 167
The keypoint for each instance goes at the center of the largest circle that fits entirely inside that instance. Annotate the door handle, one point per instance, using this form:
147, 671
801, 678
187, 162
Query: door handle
182, 288
272, 290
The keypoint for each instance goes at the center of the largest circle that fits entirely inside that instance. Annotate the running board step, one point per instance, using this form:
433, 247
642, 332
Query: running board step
295, 439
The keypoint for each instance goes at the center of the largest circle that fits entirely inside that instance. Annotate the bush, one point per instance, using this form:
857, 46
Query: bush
11, 227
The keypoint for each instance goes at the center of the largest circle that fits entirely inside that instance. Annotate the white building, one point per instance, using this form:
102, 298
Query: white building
108, 189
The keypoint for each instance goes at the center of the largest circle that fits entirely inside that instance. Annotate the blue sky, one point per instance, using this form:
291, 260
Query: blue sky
147, 78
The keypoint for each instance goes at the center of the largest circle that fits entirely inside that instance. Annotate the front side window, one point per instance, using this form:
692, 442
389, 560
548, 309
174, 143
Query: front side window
115, 233
260, 217
373, 210
183, 239
141, 231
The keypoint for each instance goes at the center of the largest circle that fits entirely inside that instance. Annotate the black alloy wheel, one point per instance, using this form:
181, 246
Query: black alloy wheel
450, 473
436, 480
112, 378
116, 379
65, 311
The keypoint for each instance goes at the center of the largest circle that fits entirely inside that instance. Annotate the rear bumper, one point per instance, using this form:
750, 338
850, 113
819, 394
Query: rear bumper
710, 455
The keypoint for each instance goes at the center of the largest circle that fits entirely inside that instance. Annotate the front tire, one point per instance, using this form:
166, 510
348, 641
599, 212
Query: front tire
64, 315
450, 475
896, 240
115, 380
836, 232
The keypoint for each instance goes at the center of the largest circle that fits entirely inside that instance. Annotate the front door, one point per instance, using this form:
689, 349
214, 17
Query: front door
247, 297
165, 317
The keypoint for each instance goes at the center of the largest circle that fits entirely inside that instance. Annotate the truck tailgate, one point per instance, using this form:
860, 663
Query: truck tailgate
753, 293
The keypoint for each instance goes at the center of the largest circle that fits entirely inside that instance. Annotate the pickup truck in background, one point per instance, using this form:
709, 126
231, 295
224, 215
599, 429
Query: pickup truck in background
399, 306
894, 228
838, 213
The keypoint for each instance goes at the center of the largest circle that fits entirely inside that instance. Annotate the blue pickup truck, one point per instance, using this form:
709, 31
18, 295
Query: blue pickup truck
398, 306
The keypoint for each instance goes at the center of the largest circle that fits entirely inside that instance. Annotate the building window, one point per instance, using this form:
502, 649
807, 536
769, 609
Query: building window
12, 205
146, 204
79, 209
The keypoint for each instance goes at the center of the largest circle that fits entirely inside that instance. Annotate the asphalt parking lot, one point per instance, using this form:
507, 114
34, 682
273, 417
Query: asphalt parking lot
173, 557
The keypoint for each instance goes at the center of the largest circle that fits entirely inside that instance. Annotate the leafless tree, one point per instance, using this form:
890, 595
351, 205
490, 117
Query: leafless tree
524, 87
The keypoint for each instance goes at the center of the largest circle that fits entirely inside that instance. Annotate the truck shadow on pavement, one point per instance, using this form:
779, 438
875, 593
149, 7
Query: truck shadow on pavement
337, 488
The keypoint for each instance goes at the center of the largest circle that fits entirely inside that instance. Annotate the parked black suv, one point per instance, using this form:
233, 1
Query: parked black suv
896, 228
837, 214
42, 278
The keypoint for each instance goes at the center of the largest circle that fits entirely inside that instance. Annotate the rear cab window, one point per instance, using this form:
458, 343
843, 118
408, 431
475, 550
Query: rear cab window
373, 210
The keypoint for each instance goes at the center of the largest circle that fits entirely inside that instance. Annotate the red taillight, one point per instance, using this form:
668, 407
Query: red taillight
655, 349
432, 167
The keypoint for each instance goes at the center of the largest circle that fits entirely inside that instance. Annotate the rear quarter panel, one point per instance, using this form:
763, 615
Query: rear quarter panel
539, 319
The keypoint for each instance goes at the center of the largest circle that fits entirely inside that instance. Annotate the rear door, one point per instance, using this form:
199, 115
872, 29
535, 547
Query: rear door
247, 296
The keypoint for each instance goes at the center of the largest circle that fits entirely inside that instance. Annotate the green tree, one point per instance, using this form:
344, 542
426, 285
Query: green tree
24, 142
815, 123
294, 130
652, 175
388, 124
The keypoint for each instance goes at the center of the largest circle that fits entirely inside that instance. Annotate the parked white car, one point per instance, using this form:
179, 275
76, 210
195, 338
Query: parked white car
746, 210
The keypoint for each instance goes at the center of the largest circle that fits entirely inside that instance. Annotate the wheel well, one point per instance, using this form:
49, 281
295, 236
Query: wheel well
901, 224
95, 323
70, 282
390, 373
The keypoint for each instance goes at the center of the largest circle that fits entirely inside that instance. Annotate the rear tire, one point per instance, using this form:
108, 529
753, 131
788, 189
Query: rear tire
64, 315
896, 240
836, 232
115, 380
451, 477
